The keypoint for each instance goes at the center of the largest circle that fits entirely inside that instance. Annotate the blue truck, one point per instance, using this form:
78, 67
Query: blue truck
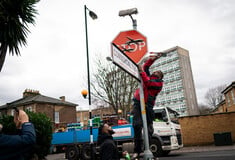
77, 141
166, 137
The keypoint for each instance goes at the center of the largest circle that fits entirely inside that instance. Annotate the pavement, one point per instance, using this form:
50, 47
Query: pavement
204, 148
186, 149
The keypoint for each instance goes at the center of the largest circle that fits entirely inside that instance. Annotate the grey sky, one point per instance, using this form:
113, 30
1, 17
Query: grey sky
54, 61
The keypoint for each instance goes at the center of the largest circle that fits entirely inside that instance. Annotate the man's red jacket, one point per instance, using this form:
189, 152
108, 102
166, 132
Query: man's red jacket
151, 85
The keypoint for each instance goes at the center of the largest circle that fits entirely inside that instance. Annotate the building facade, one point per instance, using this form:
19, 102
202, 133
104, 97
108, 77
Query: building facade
229, 94
83, 115
178, 91
59, 111
228, 103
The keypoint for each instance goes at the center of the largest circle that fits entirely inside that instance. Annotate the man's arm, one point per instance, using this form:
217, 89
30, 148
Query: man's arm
27, 137
144, 70
150, 61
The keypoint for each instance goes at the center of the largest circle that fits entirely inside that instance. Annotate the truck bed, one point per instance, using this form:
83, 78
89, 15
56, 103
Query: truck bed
122, 132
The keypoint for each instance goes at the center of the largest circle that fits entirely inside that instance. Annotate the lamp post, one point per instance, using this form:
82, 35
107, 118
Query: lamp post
93, 16
147, 153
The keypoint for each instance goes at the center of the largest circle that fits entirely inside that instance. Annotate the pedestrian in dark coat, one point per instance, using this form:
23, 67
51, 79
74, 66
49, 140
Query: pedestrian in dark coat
108, 148
152, 85
15, 147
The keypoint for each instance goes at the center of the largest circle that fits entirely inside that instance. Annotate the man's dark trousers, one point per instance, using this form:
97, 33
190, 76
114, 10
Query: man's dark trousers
138, 125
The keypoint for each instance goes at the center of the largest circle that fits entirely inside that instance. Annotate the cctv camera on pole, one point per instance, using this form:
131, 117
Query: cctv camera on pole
147, 153
129, 12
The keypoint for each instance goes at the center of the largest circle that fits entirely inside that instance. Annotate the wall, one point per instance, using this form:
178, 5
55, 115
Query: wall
46, 109
84, 115
199, 130
67, 114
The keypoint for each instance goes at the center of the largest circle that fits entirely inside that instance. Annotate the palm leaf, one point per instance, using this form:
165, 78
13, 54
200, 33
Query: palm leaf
15, 17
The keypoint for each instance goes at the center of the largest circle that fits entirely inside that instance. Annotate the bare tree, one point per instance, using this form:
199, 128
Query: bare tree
204, 109
113, 86
214, 96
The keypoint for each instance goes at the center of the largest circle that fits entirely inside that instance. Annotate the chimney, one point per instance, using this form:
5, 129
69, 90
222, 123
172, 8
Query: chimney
30, 92
62, 98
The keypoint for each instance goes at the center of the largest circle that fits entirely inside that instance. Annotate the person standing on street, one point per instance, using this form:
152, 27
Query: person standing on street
152, 85
15, 147
108, 149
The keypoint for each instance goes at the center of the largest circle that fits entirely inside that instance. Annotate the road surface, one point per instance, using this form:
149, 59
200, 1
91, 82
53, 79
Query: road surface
203, 155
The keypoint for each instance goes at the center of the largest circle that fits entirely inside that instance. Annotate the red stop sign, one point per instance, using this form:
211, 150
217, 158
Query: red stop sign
132, 43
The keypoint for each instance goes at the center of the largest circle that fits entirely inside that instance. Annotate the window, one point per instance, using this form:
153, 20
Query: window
233, 98
12, 112
57, 117
228, 100
173, 116
29, 108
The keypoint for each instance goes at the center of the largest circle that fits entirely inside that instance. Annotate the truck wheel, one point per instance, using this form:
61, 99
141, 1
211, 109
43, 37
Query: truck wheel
72, 152
156, 148
86, 152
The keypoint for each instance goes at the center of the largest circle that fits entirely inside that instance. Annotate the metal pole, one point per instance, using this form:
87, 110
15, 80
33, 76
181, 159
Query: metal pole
147, 153
134, 22
88, 83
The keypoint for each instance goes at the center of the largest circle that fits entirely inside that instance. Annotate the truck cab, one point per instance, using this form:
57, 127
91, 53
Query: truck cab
167, 132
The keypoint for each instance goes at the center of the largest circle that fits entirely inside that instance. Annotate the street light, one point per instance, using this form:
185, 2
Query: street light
109, 59
147, 153
84, 93
93, 16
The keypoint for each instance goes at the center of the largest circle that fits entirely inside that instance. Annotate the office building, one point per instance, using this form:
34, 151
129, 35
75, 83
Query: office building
178, 91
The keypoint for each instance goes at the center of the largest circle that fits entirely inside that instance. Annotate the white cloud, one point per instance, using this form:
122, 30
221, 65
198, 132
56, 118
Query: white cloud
54, 61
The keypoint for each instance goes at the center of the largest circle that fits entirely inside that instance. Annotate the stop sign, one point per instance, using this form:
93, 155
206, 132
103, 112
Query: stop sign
132, 43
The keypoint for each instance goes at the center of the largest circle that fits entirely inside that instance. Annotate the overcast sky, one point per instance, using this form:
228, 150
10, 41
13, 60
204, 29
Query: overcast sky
54, 61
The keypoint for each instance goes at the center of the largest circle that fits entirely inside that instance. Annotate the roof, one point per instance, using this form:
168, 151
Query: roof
174, 48
232, 85
37, 99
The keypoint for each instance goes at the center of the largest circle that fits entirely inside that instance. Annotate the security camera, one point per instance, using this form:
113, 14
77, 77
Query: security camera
129, 12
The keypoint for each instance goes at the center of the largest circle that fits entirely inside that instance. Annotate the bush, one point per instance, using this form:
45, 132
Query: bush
43, 130
9, 126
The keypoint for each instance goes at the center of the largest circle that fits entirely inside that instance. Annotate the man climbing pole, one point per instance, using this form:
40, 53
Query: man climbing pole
152, 85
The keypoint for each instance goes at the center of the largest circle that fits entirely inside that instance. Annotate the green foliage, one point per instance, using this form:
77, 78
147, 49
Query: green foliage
15, 18
8, 124
43, 130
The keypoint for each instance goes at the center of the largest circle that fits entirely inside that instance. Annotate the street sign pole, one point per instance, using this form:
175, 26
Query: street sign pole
134, 45
147, 153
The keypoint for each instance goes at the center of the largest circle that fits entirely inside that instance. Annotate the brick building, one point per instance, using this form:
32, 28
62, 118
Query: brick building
83, 115
228, 104
201, 130
59, 111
